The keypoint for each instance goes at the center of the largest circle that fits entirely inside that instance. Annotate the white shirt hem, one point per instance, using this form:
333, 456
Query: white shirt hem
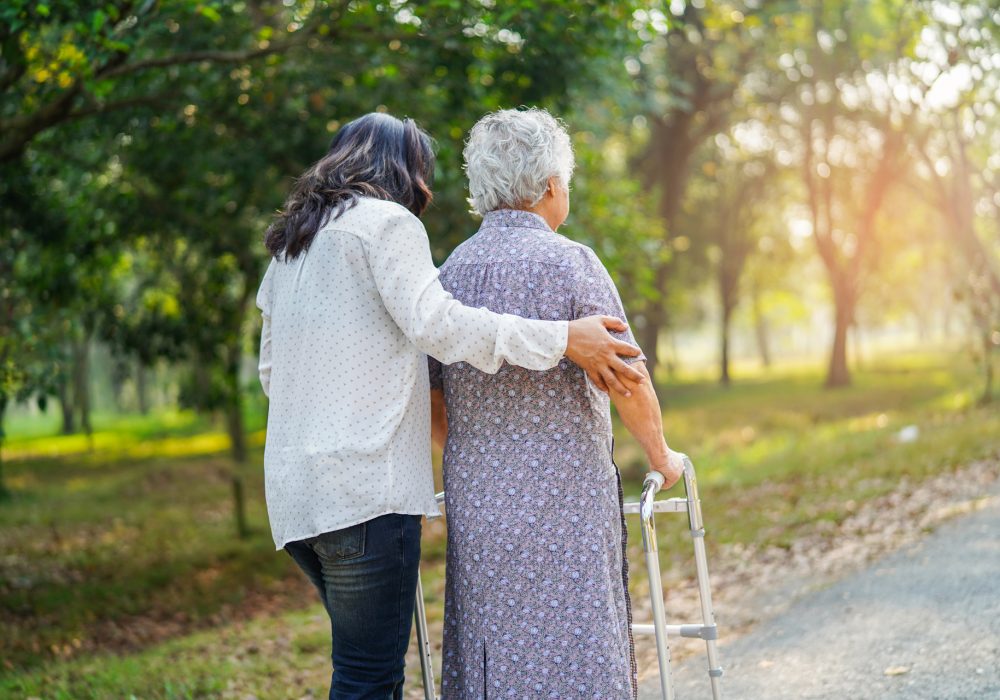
427, 513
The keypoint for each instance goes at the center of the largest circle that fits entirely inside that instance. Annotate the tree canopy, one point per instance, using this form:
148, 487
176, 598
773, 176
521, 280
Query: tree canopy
144, 146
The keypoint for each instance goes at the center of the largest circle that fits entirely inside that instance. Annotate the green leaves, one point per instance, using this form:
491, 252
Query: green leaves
209, 12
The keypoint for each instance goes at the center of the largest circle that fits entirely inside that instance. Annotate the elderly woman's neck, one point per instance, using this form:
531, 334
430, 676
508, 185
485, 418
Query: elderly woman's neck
551, 217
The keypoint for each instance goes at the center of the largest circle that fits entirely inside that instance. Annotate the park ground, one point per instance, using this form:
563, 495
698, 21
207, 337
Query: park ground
920, 623
121, 575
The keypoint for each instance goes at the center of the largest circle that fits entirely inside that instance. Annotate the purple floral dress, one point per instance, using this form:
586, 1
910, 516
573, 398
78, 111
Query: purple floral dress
536, 599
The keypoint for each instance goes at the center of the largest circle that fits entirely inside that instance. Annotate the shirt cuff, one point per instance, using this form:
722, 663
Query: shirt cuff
534, 345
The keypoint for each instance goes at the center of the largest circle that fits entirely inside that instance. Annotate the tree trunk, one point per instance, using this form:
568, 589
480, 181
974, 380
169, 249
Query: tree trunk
234, 407
988, 351
666, 160
855, 346
4, 493
760, 330
141, 391
119, 375
656, 322
729, 271
649, 337
66, 406
724, 378
237, 438
726, 322
838, 373
81, 381
234, 426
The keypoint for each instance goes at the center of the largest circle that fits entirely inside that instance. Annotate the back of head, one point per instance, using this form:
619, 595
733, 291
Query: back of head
376, 155
511, 154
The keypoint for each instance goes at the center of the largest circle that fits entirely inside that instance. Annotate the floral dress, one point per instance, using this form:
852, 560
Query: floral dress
536, 601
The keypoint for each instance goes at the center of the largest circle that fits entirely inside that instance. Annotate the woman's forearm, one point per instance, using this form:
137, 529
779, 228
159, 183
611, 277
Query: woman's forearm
439, 418
642, 418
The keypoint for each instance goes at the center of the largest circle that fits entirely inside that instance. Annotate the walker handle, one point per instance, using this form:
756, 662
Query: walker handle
655, 480
650, 487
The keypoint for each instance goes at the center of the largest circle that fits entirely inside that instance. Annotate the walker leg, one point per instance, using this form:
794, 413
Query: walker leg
701, 566
423, 643
649, 546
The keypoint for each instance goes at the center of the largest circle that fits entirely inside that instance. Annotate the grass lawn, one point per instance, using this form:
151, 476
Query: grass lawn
107, 553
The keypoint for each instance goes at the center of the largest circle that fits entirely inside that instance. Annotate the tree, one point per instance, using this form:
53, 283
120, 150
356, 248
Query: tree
208, 108
29, 330
726, 207
954, 86
847, 135
612, 212
63, 61
689, 72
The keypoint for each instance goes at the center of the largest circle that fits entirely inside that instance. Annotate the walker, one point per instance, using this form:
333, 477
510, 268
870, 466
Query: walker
644, 508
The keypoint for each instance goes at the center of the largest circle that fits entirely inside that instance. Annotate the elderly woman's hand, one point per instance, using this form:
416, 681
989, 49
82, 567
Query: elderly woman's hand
591, 347
672, 468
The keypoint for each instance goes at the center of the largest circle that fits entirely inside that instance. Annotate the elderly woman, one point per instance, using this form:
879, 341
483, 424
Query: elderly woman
537, 593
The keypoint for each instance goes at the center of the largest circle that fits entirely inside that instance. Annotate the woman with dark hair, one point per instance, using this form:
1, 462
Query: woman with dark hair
351, 304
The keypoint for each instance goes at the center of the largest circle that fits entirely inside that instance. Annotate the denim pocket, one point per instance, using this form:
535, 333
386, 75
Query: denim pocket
340, 545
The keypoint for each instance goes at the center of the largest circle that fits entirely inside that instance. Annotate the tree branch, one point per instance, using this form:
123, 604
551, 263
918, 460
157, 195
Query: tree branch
103, 107
19, 131
211, 56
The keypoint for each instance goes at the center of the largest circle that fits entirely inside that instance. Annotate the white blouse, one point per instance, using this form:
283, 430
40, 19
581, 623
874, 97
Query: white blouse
346, 326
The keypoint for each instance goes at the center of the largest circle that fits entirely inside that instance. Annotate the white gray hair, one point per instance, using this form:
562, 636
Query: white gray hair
511, 154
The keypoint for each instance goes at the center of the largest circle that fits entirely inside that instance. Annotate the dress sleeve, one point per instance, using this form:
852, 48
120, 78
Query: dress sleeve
595, 293
264, 302
436, 371
399, 256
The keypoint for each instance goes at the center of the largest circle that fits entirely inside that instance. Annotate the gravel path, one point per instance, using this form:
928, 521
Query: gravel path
924, 622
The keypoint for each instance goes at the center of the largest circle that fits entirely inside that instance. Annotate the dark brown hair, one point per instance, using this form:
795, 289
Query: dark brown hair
376, 155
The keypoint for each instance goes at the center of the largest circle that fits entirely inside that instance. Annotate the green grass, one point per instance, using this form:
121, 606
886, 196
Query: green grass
130, 534
270, 658
139, 531
162, 433
775, 455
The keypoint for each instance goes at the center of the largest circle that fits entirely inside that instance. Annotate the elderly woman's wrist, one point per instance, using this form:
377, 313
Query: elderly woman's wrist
659, 456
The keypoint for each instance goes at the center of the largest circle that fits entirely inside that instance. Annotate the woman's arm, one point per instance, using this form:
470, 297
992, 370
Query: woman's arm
400, 260
439, 418
264, 304
595, 292
641, 415
264, 364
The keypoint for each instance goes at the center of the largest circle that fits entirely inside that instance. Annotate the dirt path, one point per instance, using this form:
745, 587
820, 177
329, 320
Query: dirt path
891, 630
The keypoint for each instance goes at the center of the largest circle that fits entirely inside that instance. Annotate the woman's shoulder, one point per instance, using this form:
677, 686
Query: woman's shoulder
370, 213
547, 248
386, 208
575, 253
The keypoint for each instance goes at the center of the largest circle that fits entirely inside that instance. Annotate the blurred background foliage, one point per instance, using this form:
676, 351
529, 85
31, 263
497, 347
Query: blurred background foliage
773, 185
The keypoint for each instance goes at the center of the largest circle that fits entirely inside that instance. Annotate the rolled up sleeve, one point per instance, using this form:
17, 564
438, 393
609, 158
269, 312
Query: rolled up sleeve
400, 260
264, 302
595, 293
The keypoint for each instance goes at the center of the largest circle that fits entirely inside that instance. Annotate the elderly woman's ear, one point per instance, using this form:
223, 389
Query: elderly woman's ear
554, 204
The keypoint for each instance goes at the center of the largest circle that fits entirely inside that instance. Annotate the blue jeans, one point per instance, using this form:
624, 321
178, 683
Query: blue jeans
366, 576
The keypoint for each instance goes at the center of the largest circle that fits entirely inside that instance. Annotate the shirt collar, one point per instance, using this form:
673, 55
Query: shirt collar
515, 218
